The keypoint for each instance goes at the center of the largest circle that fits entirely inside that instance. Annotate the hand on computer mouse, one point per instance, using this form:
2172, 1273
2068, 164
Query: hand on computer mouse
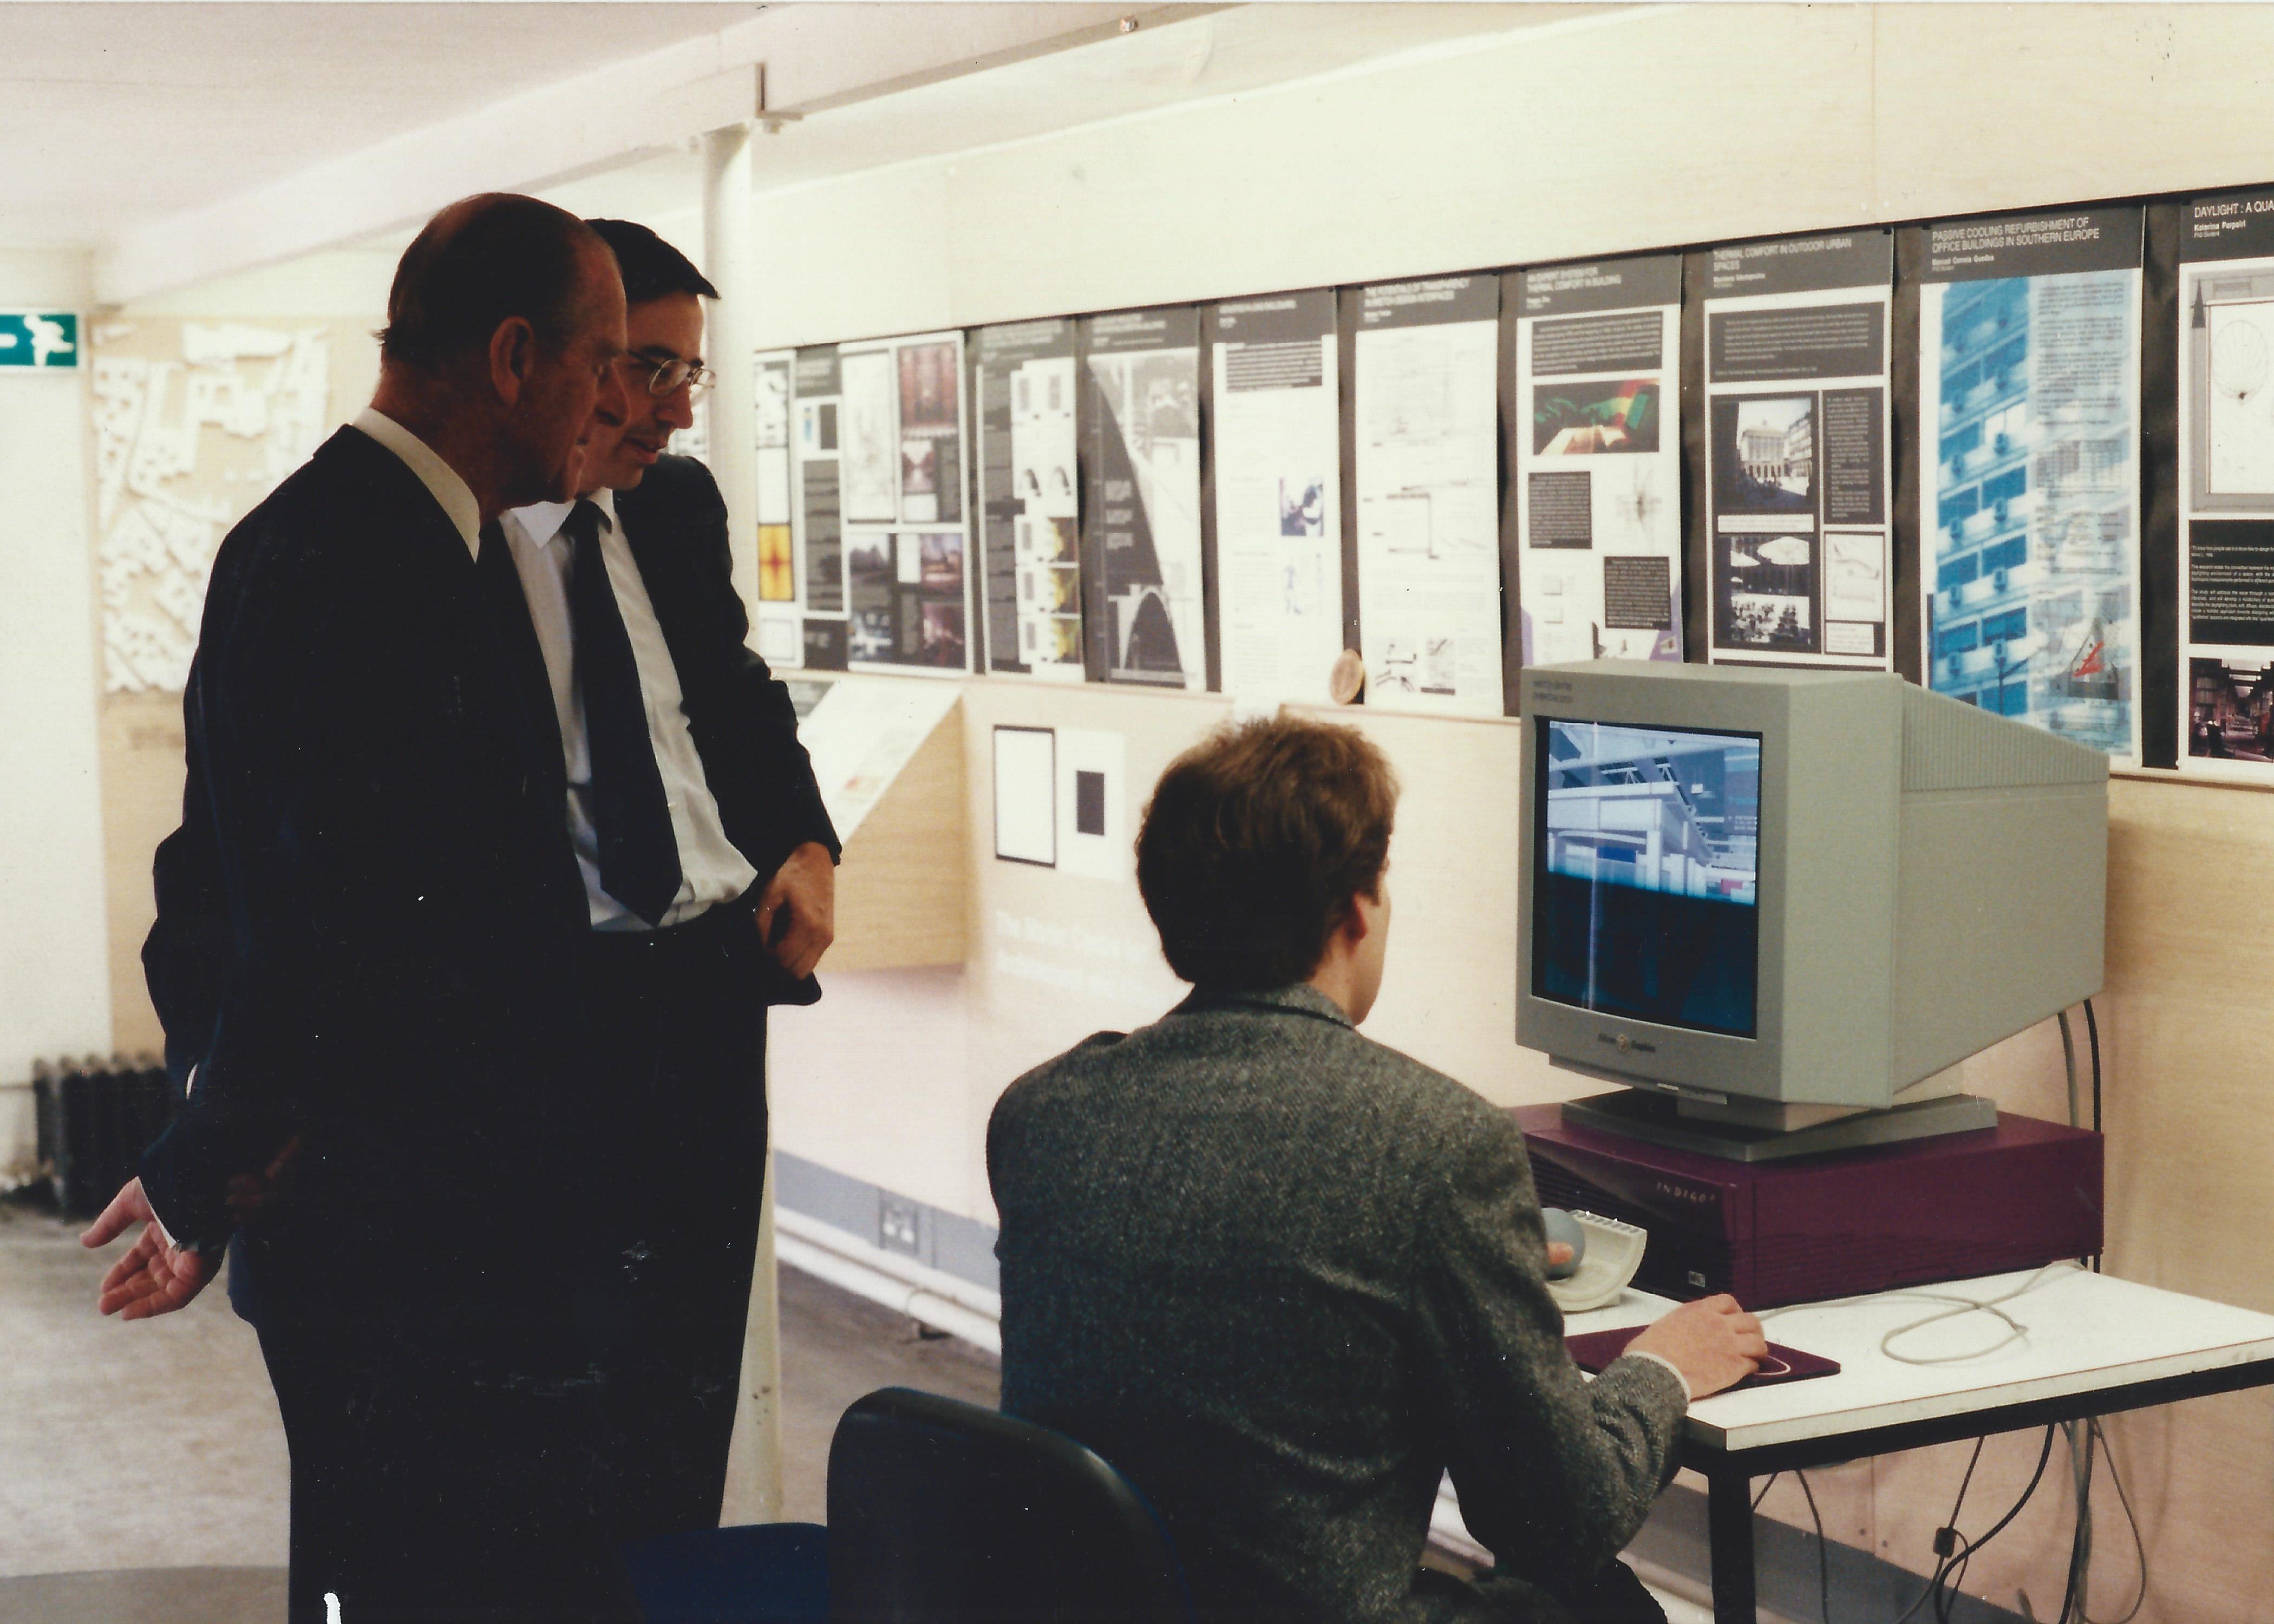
1567, 1242
1712, 1342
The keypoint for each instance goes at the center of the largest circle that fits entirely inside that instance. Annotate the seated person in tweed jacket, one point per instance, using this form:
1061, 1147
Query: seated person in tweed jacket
1285, 1278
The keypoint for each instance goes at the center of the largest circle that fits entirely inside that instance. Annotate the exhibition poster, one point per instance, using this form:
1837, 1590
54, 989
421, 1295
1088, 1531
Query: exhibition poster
1597, 479
1140, 442
818, 509
2226, 486
1426, 459
1276, 433
1798, 462
900, 433
777, 617
2029, 476
1029, 502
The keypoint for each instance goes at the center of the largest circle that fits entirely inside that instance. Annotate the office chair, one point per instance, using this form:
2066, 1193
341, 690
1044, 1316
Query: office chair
942, 1512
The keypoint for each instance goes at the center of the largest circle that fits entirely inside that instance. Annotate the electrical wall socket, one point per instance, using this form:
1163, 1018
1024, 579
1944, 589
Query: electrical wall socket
896, 1226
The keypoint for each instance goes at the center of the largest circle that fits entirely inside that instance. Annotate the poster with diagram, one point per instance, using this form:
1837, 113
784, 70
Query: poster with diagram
195, 422
818, 510
776, 617
1277, 439
2030, 475
1799, 561
1597, 460
1029, 497
900, 435
1145, 607
2226, 487
1427, 458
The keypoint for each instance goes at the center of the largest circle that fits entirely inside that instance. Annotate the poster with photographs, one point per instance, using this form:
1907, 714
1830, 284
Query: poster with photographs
1427, 458
907, 590
1798, 462
1140, 441
904, 539
818, 513
776, 619
1597, 460
1277, 455
932, 433
1029, 500
2029, 480
2226, 487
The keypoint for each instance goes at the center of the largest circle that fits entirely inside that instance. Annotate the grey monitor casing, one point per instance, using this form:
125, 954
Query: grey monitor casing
1932, 878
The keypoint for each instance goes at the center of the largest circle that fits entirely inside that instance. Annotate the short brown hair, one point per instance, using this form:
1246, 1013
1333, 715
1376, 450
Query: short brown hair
479, 263
1253, 844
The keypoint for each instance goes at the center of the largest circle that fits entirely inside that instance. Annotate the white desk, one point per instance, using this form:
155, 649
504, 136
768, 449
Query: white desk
2096, 1345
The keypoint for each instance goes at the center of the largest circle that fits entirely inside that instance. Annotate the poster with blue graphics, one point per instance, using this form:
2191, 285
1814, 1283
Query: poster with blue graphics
41, 341
2030, 411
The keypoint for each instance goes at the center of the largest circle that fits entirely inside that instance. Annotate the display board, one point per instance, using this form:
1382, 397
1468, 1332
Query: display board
1798, 557
2226, 451
2021, 459
1139, 421
881, 468
1276, 445
1425, 460
1595, 452
2029, 408
1029, 497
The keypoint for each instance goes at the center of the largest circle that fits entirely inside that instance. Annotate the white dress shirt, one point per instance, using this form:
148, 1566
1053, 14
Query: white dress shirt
710, 869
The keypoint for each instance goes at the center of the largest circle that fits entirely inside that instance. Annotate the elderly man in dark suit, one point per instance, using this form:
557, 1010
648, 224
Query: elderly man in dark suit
740, 872
1284, 1278
368, 959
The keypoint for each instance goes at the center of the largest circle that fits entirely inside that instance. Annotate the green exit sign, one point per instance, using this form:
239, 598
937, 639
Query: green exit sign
48, 340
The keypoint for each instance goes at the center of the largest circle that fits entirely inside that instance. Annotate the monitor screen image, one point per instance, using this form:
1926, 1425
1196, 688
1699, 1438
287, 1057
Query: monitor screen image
1645, 887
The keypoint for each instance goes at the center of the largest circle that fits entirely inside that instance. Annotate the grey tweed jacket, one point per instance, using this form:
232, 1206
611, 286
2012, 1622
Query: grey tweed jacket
1284, 1277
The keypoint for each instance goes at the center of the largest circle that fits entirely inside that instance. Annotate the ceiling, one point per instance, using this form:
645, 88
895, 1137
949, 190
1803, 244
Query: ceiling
1224, 52
202, 138
115, 115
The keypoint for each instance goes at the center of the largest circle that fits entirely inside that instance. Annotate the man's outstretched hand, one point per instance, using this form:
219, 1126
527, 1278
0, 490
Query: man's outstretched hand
155, 1276
797, 911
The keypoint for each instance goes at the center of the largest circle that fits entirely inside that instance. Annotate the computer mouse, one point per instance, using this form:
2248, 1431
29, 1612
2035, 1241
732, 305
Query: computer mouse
1560, 1226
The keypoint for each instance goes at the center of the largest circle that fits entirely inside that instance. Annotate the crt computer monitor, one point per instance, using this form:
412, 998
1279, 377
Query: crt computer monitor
1796, 888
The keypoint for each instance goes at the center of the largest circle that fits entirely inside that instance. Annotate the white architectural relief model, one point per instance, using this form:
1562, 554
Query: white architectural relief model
195, 423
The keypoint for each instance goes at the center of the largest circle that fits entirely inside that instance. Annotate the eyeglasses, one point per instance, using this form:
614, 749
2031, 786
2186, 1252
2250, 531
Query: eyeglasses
673, 374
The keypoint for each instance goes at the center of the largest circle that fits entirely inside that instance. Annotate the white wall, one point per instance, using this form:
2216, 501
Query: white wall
55, 994
1634, 129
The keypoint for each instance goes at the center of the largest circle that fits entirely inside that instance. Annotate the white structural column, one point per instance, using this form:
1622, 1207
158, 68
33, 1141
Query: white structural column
754, 1488
728, 215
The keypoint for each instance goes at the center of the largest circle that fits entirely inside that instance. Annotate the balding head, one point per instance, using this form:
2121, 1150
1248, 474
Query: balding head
504, 327
481, 262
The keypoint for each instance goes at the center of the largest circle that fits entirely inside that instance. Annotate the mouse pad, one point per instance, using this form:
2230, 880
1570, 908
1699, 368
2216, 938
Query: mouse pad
1597, 1348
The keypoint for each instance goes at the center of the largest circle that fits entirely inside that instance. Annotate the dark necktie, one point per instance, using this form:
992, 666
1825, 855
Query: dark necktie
639, 856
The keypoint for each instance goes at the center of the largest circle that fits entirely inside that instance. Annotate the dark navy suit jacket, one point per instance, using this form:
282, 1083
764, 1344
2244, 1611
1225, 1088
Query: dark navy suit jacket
368, 921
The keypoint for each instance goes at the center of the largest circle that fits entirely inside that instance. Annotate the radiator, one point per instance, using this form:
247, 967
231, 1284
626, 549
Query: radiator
95, 1117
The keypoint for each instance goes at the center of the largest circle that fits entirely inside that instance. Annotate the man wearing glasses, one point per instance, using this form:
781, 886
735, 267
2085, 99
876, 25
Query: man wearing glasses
708, 865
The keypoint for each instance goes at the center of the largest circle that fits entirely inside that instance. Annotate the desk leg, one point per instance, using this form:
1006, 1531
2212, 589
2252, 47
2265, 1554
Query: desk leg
1729, 1543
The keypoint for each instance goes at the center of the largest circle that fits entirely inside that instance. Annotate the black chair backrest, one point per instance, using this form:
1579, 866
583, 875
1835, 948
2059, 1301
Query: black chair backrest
944, 1513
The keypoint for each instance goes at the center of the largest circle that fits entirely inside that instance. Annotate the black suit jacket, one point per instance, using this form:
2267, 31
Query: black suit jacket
368, 922
742, 722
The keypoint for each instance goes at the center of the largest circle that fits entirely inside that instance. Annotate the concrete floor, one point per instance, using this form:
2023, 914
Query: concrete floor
142, 1467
